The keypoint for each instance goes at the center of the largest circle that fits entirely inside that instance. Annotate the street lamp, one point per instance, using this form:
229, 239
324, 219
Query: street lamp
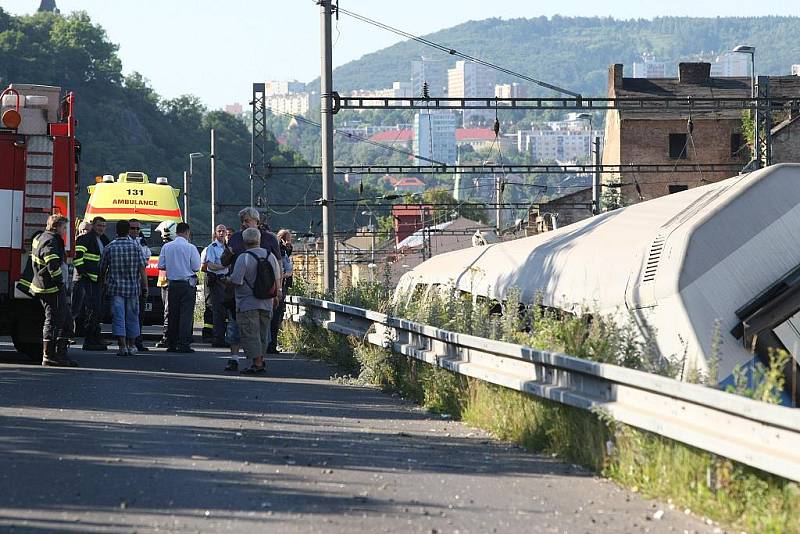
186, 179
746, 49
192, 157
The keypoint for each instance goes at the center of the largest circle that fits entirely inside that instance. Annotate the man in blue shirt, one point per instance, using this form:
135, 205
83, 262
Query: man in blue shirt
214, 282
181, 261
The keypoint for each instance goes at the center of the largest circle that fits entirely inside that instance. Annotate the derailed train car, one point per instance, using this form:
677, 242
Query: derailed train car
725, 254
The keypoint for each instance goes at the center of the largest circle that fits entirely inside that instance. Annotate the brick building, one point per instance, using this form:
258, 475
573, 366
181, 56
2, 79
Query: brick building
560, 211
786, 140
662, 137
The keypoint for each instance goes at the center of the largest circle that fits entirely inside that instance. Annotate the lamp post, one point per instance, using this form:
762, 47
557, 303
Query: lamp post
187, 178
751, 50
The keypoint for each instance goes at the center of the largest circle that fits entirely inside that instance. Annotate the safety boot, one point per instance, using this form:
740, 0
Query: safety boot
49, 358
62, 346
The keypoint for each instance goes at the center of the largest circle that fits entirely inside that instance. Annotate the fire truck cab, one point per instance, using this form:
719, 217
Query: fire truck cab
132, 196
38, 176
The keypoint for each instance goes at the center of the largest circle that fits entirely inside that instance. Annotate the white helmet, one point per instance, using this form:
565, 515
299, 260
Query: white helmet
167, 228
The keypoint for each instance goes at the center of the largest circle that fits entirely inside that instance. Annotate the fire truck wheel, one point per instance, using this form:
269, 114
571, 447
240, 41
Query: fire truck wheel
31, 350
27, 331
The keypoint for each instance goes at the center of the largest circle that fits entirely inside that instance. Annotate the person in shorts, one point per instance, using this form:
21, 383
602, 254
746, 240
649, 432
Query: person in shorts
253, 315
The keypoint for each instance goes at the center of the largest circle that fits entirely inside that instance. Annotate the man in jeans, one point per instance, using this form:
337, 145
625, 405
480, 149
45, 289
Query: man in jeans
181, 260
253, 314
122, 270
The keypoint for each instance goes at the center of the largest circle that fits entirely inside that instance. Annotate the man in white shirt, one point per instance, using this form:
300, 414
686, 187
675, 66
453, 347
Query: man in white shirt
214, 283
181, 260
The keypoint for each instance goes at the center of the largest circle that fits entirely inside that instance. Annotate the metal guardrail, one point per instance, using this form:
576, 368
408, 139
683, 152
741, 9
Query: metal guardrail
753, 433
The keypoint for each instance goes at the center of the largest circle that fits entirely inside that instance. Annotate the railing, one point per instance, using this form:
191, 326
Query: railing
757, 434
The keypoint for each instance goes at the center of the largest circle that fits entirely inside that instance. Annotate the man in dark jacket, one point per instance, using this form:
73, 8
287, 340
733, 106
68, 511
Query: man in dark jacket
250, 218
88, 251
48, 285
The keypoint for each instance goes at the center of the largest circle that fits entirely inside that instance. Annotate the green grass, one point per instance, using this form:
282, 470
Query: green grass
652, 465
657, 467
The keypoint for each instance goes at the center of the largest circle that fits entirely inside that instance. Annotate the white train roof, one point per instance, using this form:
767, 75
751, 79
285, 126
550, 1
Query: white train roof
604, 261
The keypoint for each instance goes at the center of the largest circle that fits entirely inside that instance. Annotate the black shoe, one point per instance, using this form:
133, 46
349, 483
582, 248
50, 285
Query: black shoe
253, 370
93, 346
162, 344
233, 365
47, 362
220, 345
141, 348
183, 350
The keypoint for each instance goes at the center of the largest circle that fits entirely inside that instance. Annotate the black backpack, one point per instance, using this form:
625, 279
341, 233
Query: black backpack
264, 286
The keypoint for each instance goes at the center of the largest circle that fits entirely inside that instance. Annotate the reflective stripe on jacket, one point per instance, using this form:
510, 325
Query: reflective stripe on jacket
87, 255
47, 257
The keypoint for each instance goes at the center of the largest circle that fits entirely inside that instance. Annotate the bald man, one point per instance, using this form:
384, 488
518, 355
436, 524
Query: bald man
215, 287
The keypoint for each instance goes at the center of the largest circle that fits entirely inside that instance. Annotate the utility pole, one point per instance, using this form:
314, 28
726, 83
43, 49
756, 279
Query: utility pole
596, 178
213, 184
326, 79
763, 92
498, 197
186, 196
756, 92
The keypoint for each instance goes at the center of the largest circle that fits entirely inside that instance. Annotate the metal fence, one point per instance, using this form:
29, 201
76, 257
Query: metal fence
757, 434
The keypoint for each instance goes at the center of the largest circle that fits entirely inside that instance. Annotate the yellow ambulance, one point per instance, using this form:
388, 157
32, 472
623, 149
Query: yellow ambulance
132, 196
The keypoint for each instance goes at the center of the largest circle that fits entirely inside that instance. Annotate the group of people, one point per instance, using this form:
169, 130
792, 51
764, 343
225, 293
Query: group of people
243, 317
247, 274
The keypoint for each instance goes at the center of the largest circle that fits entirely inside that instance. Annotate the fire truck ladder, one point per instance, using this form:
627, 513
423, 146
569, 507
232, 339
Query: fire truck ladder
38, 203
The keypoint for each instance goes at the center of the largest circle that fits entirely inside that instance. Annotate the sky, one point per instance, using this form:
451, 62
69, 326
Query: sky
215, 49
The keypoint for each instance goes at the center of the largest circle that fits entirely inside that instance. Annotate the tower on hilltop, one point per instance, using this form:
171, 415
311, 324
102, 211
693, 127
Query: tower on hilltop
48, 6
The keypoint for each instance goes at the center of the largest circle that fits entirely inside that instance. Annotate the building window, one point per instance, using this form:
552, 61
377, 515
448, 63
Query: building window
677, 146
677, 188
736, 145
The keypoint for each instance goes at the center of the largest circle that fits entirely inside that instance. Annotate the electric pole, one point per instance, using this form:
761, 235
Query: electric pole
326, 79
186, 196
213, 185
498, 197
596, 178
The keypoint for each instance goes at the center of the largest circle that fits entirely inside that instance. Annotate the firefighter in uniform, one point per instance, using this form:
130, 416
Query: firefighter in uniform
48, 259
88, 251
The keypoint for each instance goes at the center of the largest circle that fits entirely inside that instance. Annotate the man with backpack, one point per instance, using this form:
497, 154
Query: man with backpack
255, 278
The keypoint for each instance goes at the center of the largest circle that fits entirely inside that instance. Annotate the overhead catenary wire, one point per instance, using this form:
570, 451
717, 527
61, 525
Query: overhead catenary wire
453, 52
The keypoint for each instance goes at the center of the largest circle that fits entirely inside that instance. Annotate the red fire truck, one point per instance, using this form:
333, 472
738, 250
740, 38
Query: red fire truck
38, 176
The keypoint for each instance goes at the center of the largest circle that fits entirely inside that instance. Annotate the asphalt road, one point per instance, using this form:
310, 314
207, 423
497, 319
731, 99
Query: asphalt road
171, 443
